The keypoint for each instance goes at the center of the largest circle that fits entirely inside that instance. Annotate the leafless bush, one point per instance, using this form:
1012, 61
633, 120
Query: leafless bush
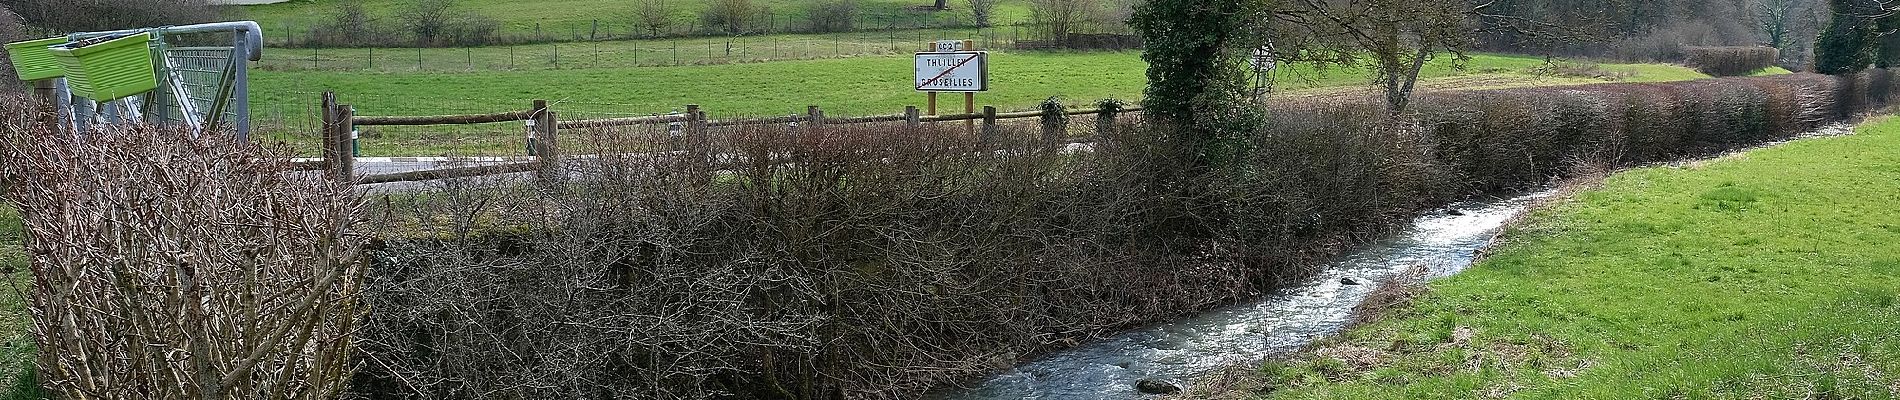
874, 261
1666, 44
99, 15
427, 19
167, 266
12, 29
1057, 19
983, 12
832, 15
654, 16
733, 17
1731, 60
349, 24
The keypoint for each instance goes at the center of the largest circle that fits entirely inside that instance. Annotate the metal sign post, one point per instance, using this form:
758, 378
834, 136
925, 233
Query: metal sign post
953, 66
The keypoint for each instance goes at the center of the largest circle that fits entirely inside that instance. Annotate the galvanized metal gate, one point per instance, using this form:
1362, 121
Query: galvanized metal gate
203, 82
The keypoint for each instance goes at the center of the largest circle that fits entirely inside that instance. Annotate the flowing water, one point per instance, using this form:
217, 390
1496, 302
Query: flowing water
1444, 243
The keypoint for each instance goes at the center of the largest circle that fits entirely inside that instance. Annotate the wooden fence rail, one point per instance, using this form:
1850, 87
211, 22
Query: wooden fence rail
340, 122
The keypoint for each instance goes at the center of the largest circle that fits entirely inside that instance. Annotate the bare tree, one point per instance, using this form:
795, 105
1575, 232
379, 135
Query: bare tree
350, 24
983, 12
654, 16
1396, 38
733, 17
427, 19
832, 15
1057, 19
174, 267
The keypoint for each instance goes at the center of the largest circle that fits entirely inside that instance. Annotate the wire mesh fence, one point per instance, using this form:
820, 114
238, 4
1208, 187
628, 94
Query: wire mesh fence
333, 33
296, 121
627, 53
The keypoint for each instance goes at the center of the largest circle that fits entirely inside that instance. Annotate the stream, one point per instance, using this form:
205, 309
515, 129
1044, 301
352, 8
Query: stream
1445, 242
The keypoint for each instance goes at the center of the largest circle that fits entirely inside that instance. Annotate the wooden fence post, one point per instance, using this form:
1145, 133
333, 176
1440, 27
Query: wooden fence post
816, 118
547, 147
989, 126
695, 121
912, 117
338, 160
695, 138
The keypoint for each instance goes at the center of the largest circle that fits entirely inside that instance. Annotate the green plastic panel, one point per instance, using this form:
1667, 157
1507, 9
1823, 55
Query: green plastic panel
33, 61
113, 70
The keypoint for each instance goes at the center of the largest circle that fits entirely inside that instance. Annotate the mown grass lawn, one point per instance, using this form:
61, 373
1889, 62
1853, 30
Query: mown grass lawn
1771, 274
284, 101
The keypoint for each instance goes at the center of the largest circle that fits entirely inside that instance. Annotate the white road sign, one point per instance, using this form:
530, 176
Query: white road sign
944, 46
963, 71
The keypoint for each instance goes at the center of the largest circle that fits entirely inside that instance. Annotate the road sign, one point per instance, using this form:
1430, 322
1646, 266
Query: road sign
960, 71
945, 46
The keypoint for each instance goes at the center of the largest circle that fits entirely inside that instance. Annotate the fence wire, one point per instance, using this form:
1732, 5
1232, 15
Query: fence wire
294, 118
624, 53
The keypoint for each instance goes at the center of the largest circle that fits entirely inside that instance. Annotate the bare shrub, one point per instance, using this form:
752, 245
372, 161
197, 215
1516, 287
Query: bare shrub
1666, 44
655, 17
733, 17
832, 15
469, 30
94, 15
12, 29
167, 266
427, 19
1057, 19
1731, 60
982, 12
876, 261
349, 24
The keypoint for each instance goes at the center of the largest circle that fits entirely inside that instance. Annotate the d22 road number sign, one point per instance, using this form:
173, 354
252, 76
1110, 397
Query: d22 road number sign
957, 71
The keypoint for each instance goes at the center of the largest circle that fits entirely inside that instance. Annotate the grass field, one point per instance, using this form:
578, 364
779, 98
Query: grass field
575, 19
284, 101
16, 339
1770, 274
625, 53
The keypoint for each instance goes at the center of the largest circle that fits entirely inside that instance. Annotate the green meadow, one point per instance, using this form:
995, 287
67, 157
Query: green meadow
1769, 274
575, 19
284, 101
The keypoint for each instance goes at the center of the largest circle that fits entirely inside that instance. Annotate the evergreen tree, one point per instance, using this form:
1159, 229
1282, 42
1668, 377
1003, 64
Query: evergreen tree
1847, 45
1887, 47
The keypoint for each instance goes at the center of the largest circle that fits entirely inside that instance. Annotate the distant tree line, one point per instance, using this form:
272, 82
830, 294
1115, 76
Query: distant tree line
445, 23
1657, 30
1859, 34
99, 15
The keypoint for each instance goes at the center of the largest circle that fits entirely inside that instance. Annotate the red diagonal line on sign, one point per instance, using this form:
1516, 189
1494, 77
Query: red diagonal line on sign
947, 72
